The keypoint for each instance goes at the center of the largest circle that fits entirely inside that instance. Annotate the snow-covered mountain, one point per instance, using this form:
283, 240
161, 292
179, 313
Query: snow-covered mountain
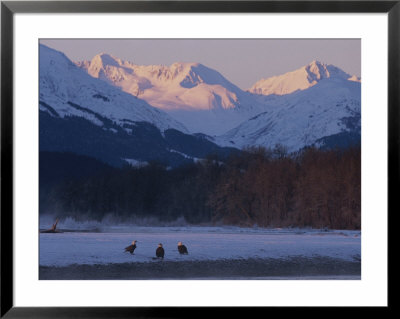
195, 95
67, 90
318, 104
84, 115
301, 79
327, 113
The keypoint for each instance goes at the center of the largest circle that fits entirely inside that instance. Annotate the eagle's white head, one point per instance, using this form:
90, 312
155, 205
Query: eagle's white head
134, 242
180, 243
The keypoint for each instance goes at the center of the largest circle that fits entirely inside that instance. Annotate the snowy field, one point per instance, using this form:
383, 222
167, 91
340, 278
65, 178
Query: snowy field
214, 252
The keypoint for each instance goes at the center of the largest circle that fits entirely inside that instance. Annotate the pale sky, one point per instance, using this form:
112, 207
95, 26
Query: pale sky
241, 61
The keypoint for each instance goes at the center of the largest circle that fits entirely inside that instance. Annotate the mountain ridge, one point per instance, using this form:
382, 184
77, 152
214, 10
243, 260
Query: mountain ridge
188, 91
315, 115
87, 116
300, 79
302, 118
200, 97
61, 83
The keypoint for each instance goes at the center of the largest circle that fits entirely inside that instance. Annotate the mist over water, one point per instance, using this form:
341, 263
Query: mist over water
110, 223
113, 224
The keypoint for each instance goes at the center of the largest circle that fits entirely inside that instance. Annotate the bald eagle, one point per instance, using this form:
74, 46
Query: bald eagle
131, 248
160, 251
182, 249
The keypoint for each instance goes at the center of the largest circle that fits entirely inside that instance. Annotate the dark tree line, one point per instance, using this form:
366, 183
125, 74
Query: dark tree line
312, 189
268, 188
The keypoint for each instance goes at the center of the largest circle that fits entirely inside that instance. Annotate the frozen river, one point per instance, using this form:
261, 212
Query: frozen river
213, 252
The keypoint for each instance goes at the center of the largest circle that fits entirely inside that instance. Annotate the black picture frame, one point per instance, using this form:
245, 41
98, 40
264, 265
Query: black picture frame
9, 8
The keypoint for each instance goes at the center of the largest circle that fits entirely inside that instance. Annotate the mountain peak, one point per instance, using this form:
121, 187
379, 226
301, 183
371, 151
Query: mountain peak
104, 65
100, 62
316, 71
106, 59
316, 62
300, 79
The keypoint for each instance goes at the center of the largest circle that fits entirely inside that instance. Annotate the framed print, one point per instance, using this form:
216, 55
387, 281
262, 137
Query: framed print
158, 156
